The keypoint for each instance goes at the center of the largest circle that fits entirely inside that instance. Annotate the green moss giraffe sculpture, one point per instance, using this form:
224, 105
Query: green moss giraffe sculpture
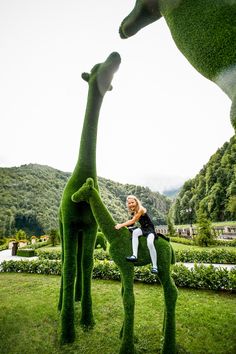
78, 227
203, 30
120, 247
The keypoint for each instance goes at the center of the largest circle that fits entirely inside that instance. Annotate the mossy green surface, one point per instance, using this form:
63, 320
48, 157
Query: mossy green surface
203, 30
78, 227
120, 248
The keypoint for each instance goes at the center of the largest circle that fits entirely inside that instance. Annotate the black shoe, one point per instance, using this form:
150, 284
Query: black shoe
132, 259
154, 271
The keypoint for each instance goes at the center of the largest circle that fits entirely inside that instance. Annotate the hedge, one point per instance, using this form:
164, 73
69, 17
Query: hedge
190, 242
25, 252
199, 277
217, 255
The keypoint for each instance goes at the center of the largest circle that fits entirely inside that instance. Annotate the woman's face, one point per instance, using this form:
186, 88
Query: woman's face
132, 204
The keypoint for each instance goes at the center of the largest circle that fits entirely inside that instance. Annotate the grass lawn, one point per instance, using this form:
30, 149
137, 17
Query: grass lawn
29, 321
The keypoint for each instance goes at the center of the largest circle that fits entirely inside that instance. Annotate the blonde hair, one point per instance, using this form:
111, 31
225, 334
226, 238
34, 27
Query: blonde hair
139, 204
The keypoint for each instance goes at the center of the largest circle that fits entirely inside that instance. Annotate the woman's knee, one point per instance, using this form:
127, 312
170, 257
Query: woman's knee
137, 232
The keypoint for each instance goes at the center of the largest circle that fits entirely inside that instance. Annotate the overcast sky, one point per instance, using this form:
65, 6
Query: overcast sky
158, 126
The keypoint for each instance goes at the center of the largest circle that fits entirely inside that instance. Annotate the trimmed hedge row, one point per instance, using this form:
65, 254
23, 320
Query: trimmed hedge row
217, 255
199, 277
25, 252
32, 266
186, 241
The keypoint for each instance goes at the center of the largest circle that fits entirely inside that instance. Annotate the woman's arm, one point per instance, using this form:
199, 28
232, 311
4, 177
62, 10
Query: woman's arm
131, 221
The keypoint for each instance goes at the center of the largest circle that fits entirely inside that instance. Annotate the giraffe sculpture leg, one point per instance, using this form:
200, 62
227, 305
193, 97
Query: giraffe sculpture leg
69, 274
87, 318
169, 330
127, 329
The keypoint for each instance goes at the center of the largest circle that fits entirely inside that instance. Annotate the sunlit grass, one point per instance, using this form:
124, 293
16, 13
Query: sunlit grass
29, 321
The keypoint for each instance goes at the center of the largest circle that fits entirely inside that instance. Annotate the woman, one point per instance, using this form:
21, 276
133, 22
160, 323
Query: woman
139, 213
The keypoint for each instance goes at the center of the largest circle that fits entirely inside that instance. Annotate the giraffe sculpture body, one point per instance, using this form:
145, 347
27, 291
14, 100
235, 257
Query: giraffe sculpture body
120, 247
78, 227
203, 30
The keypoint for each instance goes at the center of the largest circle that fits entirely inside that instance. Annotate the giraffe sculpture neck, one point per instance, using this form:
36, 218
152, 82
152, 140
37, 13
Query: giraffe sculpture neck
87, 152
103, 217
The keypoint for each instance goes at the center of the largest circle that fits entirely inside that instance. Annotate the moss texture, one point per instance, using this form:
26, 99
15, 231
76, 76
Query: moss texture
120, 247
78, 228
204, 31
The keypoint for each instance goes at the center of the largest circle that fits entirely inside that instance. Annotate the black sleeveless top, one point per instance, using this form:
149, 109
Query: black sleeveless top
146, 224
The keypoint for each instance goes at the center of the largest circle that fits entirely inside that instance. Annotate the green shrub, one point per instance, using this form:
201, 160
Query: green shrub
24, 252
100, 254
101, 241
186, 255
34, 266
38, 245
217, 255
4, 247
182, 240
199, 277
202, 277
228, 243
48, 254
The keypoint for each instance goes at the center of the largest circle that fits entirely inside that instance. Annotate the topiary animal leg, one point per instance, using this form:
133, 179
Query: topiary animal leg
87, 319
78, 282
170, 296
62, 262
127, 330
69, 273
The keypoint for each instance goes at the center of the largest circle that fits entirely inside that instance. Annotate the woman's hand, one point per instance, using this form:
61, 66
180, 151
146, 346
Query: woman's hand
118, 226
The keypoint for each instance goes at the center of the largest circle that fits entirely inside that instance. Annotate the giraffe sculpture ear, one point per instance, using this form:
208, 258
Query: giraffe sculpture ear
90, 182
85, 76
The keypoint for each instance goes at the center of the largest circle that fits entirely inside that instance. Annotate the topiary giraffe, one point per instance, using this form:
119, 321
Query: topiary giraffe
78, 227
120, 247
203, 30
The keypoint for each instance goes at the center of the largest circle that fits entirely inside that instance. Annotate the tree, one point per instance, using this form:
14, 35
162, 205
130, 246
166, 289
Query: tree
205, 235
231, 207
54, 237
170, 224
20, 235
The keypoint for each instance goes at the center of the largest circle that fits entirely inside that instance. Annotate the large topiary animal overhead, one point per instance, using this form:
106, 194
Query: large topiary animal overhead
120, 247
203, 30
78, 227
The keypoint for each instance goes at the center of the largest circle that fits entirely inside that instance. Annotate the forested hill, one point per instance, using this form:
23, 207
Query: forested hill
30, 197
213, 190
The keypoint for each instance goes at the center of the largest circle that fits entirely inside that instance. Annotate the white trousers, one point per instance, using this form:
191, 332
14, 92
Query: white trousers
150, 243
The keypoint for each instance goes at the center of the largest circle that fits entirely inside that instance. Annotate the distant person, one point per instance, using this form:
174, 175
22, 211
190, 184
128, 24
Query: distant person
139, 214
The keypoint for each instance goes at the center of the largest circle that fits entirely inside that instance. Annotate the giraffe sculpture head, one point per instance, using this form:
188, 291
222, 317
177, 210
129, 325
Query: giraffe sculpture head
83, 194
101, 75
